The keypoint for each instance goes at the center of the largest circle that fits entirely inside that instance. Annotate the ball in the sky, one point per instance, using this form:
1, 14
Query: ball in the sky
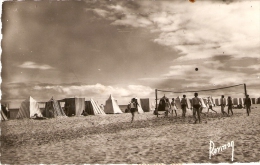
196, 69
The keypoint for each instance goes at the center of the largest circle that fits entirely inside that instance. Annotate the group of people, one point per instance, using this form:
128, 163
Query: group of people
196, 106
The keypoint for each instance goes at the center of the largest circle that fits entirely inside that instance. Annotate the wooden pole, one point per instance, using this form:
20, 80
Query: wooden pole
156, 109
245, 89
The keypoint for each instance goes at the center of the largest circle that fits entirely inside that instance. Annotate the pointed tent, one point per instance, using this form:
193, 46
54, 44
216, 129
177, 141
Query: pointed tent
161, 105
53, 109
203, 103
3, 116
29, 108
111, 106
92, 108
139, 107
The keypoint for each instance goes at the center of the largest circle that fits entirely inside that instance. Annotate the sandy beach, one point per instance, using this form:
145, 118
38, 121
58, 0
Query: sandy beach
113, 139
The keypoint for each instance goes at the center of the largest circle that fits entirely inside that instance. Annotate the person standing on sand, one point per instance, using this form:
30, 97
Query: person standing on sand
173, 107
195, 105
210, 105
133, 108
230, 105
167, 107
247, 104
223, 104
184, 105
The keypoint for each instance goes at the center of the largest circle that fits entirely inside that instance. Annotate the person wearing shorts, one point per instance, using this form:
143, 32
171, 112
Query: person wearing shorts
196, 104
133, 107
173, 107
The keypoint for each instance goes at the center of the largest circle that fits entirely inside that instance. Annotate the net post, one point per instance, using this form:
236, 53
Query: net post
245, 89
156, 110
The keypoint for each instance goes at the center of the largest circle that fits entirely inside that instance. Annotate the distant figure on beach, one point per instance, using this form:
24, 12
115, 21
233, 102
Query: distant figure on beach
173, 107
247, 104
167, 107
36, 117
133, 108
223, 104
184, 105
230, 105
196, 104
210, 106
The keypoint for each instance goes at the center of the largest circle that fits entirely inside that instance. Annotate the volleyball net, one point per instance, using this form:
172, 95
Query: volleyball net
236, 92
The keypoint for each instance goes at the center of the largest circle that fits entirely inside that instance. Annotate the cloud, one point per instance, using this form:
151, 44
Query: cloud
100, 12
44, 91
33, 65
98, 89
208, 35
255, 67
200, 30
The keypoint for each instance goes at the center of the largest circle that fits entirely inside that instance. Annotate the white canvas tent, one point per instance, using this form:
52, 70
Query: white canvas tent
3, 116
241, 101
92, 108
139, 107
212, 101
29, 108
203, 103
111, 106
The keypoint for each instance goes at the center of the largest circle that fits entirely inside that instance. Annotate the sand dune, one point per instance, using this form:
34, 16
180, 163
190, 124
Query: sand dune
113, 139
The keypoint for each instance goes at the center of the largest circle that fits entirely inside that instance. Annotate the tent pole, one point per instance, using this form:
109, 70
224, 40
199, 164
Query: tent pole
156, 110
245, 89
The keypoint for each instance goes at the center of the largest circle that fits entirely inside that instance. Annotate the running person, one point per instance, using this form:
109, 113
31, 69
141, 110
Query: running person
196, 104
230, 105
247, 104
210, 105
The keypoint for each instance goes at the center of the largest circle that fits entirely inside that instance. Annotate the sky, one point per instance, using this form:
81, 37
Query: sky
128, 48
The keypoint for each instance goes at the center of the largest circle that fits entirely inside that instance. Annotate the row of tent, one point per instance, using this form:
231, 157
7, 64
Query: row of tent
72, 107
214, 102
